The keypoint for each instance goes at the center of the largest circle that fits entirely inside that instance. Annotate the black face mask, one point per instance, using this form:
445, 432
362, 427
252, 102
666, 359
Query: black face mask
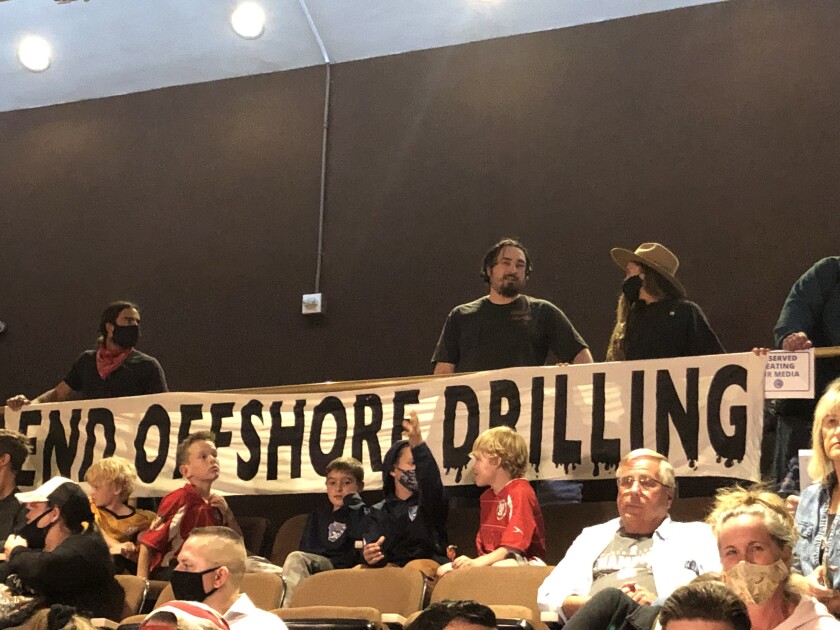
188, 586
35, 536
126, 336
631, 288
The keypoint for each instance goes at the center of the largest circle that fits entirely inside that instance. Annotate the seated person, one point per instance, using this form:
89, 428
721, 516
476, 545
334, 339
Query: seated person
111, 482
74, 567
455, 615
211, 565
408, 528
178, 615
709, 602
818, 546
756, 535
14, 449
642, 551
511, 530
330, 535
192, 506
705, 599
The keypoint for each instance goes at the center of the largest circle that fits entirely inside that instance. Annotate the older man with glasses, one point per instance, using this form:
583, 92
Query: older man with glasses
642, 552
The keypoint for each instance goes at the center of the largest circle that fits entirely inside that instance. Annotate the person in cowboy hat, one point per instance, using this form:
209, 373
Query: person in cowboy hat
654, 320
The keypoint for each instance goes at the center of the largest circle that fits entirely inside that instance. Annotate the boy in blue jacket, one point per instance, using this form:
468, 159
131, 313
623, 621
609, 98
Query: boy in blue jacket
330, 535
408, 528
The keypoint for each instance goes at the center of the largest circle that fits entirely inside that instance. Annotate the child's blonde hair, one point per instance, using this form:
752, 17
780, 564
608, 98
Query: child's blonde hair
115, 470
508, 446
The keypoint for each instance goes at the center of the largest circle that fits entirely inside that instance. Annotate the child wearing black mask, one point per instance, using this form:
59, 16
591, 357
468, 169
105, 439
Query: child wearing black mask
409, 526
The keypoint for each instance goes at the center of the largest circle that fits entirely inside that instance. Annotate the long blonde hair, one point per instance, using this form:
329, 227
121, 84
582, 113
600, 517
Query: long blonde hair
820, 466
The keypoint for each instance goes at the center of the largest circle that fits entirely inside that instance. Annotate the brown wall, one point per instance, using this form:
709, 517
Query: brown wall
711, 129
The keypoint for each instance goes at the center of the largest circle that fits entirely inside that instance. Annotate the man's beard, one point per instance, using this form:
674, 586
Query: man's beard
510, 288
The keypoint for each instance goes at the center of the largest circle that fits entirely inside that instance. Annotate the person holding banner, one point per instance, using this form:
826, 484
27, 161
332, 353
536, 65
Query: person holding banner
817, 550
809, 318
653, 318
505, 328
409, 525
113, 370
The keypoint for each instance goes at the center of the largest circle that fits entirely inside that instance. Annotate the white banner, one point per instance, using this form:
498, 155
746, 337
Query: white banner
704, 413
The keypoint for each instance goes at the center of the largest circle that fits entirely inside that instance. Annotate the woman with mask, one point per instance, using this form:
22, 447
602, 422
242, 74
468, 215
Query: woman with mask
654, 320
756, 534
74, 566
817, 551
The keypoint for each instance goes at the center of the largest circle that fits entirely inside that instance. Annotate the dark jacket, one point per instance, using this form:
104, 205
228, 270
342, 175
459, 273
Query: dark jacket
333, 533
77, 573
414, 528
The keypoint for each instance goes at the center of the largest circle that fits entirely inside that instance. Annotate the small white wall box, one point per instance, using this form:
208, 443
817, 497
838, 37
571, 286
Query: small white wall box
313, 304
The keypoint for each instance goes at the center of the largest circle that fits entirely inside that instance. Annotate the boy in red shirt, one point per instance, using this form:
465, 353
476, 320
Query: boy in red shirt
186, 508
511, 530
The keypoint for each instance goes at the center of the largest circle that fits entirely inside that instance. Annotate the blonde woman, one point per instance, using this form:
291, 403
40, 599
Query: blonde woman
755, 535
817, 551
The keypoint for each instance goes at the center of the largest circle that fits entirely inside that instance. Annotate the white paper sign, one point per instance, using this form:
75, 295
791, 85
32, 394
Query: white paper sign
789, 374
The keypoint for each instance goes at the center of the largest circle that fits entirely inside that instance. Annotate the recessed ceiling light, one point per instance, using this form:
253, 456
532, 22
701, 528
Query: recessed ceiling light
34, 53
248, 20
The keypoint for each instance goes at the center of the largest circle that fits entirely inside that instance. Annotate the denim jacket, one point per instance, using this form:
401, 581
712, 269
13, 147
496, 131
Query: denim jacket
812, 522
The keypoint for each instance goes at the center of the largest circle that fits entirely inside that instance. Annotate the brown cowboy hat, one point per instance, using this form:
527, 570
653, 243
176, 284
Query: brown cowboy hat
653, 255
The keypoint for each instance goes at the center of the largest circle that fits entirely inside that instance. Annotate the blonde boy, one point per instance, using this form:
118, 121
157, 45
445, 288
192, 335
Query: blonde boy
111, 482
330, 535
186, 508
511, 530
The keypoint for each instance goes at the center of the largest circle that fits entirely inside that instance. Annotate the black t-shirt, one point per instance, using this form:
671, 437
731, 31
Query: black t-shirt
482, 335
669, 328
139, 374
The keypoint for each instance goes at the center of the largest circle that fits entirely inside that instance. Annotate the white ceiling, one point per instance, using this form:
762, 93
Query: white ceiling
108, 47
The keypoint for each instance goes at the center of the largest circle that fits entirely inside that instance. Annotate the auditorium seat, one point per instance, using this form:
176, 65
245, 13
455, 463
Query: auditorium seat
287, 539
135, 593
496, 586
254, 530
395, 592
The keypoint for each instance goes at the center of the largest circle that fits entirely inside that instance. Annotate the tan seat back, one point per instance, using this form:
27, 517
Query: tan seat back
287, 539
515, 586
390, 590
135, 593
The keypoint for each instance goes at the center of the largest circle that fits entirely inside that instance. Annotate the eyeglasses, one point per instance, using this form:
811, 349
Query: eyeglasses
645, 483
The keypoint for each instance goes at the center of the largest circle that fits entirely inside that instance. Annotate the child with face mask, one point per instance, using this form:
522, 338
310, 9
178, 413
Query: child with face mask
408, 528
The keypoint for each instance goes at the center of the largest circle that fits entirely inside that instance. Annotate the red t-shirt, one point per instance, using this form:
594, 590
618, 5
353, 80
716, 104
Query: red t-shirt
511, 519
180, 512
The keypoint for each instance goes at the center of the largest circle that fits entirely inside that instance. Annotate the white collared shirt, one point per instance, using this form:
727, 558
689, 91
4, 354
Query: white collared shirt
243, 615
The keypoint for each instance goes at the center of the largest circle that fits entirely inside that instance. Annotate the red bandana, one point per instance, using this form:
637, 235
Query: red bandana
109, 360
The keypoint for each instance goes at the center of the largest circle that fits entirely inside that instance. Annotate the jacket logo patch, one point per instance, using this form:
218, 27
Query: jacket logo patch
336, 530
